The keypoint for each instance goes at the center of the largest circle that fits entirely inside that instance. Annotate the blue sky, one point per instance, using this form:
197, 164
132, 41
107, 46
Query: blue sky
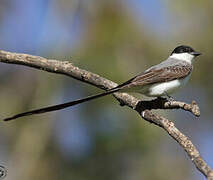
33, 24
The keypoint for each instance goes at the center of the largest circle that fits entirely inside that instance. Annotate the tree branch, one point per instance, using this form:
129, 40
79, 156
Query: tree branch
142, 107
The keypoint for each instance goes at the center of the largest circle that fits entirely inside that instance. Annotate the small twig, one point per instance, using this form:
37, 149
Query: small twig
142, 107
163, 103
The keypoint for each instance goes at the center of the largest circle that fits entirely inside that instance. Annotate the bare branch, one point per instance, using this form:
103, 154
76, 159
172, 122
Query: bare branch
142, 107
184, 141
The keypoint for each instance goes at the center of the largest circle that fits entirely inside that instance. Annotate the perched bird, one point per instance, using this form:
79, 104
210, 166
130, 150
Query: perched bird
157, 81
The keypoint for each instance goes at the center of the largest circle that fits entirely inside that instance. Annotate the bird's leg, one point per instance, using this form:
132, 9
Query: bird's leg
170, 98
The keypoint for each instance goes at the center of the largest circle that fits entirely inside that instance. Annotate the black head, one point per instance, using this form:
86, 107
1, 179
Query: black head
185, 49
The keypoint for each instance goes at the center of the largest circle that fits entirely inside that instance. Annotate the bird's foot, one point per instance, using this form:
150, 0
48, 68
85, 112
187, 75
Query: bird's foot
169, 98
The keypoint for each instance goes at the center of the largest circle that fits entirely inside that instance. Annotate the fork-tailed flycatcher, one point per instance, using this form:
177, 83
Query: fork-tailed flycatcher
159, 80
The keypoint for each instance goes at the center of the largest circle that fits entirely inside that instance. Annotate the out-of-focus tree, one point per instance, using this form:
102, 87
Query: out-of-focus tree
105, 38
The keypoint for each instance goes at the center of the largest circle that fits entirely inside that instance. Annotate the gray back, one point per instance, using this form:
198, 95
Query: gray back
169, 62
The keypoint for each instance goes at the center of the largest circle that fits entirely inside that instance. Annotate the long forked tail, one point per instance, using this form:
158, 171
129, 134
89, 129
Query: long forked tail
61, 106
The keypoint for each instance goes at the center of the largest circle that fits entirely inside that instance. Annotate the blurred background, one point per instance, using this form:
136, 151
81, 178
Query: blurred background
101, 140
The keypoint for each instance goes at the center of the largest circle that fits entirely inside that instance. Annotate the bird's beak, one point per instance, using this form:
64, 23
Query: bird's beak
195, 53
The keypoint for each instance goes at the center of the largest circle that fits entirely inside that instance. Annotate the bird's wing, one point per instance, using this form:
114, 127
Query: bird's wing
155, 75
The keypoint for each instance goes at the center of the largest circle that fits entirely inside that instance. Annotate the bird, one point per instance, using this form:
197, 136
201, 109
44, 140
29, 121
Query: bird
157, 81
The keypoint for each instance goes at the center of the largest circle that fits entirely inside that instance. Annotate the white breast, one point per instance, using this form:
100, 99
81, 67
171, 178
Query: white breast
161, 89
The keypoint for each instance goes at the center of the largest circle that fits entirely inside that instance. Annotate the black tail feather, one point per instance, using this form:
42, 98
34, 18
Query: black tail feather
61, 106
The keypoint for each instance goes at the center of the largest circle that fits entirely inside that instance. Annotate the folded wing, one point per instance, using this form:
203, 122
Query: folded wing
158, 75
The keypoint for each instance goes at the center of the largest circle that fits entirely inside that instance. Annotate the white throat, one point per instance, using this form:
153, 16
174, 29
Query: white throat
184, 57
